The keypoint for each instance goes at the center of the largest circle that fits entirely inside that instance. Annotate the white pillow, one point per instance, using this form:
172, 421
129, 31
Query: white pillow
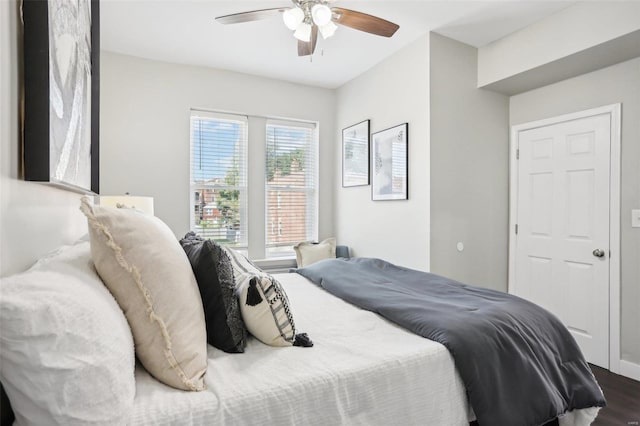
66, 348
141, 262
308, 252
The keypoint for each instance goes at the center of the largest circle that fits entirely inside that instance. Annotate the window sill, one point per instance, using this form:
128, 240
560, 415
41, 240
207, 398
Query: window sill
276, 265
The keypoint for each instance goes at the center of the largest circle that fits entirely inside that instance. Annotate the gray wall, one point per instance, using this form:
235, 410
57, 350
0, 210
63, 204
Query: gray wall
469, 169
395, 91
144, 129
34, 218
561, 36
616, 84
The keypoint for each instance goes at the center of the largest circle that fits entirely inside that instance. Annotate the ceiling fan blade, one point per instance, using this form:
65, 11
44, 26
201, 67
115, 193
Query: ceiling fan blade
363, 22
253, 15
306, 48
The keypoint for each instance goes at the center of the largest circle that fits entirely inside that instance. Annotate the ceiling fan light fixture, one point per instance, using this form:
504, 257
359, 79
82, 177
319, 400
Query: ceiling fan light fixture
328, 30
321, 14
303, 32
293, 17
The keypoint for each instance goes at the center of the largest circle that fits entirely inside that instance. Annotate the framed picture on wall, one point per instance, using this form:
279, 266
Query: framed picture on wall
61, 93
390, 163
355, 155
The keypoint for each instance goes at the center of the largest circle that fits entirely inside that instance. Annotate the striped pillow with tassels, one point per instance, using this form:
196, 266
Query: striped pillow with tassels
264, 305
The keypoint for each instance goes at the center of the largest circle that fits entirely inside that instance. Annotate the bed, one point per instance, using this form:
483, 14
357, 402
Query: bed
362, 368
67, 358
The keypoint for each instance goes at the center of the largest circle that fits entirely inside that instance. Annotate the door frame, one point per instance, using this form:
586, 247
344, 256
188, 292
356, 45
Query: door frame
614, 112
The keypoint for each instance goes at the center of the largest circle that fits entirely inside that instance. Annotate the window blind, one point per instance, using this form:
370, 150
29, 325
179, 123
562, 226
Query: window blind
219, 177
291, 186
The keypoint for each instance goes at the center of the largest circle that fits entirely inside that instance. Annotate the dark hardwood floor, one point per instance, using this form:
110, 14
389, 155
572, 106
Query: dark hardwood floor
623, 399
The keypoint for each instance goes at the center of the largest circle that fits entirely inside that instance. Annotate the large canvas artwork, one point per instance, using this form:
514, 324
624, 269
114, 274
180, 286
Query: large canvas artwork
61, 84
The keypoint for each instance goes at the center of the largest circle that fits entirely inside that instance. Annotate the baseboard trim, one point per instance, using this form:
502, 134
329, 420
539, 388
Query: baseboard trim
630, 369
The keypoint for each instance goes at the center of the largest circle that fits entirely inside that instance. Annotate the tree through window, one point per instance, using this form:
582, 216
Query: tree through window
218, 177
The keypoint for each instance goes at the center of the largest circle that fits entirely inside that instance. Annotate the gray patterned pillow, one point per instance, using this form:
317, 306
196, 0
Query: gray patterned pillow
264, 305
214, 273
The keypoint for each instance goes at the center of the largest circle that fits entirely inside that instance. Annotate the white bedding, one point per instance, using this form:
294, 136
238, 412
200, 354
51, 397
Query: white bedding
362, 370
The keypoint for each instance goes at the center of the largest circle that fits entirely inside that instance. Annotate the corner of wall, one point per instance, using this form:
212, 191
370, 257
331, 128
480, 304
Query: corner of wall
469, 169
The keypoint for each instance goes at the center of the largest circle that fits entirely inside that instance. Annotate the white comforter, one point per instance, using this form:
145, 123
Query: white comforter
362, 370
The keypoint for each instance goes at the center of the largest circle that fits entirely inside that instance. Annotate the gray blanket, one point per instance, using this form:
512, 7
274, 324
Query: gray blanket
519, 364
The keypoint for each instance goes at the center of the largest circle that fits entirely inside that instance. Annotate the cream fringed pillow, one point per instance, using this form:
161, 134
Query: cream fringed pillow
308, 252
142, 264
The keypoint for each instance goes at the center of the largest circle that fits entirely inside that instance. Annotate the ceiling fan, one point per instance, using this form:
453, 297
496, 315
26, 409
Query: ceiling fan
308, 17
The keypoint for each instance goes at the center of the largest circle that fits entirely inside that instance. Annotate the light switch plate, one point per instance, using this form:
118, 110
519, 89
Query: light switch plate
635, 218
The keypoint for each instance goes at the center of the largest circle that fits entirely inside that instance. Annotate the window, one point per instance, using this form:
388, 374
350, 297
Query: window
219, 177
282, 182
291, 180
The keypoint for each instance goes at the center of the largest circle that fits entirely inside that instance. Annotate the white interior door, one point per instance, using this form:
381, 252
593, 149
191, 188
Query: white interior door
562, 241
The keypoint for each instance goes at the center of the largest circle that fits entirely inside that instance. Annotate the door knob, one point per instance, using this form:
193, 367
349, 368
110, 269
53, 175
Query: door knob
598, 253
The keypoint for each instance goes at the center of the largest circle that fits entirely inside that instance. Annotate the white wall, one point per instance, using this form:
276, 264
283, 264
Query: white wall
34, 218
561, 35
145, 127
617, 84
393, 92
469, 169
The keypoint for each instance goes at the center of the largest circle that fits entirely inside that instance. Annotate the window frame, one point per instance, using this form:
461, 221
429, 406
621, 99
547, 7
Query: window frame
310, 193
242, 188
255, 145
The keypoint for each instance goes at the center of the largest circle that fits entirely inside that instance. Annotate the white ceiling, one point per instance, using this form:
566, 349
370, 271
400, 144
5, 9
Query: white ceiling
185, 32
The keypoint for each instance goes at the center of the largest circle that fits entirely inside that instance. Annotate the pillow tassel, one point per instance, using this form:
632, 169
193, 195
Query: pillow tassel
302, 339
253, 295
